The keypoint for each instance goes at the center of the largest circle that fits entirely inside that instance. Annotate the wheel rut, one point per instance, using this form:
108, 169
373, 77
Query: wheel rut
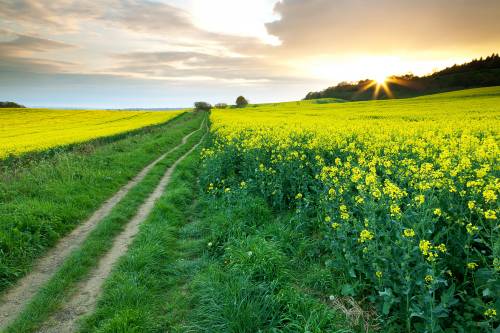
84, 300
13, 301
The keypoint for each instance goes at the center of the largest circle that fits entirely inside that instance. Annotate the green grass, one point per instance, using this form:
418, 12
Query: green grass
44, 198
204, 265
81, 261
136, 295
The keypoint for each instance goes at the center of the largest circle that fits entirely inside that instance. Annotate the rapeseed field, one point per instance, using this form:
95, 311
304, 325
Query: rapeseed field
27, 130
404, 192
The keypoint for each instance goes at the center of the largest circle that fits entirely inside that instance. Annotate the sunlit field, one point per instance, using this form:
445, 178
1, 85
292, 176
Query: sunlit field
404, 193
27, 130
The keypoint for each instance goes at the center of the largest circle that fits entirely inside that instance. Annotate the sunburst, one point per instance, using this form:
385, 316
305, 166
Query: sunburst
382, 84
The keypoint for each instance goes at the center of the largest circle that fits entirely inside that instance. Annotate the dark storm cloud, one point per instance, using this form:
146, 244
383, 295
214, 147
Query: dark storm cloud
343, 26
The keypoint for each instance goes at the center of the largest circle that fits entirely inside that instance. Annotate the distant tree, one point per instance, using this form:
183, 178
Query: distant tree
202, 106
10, 105
221, 106
241, 102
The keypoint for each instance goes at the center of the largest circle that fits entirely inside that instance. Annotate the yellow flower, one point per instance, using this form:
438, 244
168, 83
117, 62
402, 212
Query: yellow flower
471, 204
471, 229
441, 248
298, 196
395, 210
227, 190
364, 236
472, 265
420, 199
438, 212
335, 225
425, 246
378, 274
428, 251
344, 215
409, 233
489, 196
490, 313
243, 184
431, 257
490, 215
428, 278
328, 218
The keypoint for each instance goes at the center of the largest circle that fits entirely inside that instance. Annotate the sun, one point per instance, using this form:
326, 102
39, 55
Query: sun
381, 79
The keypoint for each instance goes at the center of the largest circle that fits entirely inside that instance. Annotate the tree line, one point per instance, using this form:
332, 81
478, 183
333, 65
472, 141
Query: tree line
482, 72
241, 102
10, 105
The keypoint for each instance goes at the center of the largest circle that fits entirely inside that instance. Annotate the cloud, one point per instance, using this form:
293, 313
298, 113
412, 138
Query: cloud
196, 65
153, 17
47, 14
18, 45
20, 53
384, 26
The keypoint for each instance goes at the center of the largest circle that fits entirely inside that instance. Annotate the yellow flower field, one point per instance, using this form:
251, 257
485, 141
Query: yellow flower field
26, 130
405, 192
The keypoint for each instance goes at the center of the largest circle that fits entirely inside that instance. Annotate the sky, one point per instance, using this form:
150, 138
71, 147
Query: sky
170, 53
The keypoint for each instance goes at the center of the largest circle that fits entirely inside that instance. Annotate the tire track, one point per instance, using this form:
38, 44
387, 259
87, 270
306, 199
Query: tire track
87, 292
16, 298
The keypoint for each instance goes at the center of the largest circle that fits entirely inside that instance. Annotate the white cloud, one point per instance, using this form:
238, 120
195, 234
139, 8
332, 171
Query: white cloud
236, 17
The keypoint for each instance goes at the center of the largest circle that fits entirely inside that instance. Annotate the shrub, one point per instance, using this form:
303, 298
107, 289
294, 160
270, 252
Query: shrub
221, 106
202, 106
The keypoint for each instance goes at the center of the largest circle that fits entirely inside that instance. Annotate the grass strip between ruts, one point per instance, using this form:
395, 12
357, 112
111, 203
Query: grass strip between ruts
82, 260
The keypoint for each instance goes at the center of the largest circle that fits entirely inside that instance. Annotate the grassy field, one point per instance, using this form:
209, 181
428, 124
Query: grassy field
403, 192
203, 265
82, 260
28, 130
307, 216
44, 199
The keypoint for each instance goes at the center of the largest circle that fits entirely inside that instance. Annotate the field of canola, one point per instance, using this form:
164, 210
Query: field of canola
405, 193
26, 130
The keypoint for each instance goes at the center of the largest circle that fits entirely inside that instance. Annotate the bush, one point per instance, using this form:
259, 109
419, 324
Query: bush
202, 106
221, 106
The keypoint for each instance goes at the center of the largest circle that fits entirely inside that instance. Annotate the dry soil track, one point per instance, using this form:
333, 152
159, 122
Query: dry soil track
87, 292
16, 298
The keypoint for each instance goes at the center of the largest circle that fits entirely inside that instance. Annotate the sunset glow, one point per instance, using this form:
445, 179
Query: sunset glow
133, 53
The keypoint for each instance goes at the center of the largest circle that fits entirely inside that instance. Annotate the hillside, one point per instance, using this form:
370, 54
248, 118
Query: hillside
484, 72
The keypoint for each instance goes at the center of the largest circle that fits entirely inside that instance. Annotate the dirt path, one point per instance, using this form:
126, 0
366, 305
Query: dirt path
15, 298
87, 292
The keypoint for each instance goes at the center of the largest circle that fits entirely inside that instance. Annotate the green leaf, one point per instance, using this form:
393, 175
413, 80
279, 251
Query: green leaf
348, 290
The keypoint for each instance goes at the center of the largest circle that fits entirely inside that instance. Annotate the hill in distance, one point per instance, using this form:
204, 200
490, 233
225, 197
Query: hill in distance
483, 72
